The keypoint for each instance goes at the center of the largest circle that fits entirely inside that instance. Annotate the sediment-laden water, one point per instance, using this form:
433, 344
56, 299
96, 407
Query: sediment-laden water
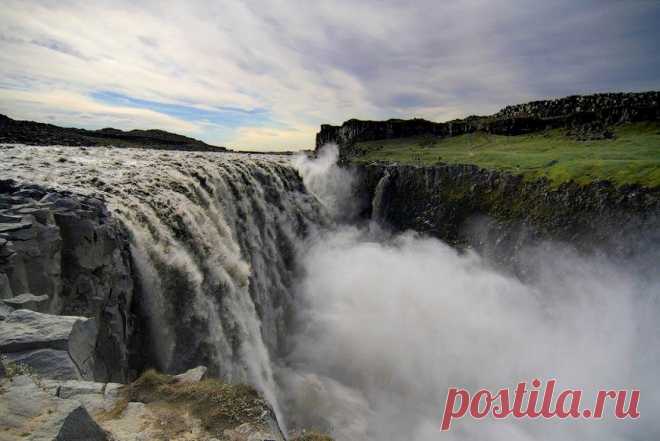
259, 268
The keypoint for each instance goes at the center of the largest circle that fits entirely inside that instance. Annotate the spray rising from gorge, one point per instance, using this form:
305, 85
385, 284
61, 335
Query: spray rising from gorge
388, 322
264, 271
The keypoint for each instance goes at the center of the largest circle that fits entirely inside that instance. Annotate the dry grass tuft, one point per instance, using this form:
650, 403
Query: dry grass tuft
218, 405
313, 436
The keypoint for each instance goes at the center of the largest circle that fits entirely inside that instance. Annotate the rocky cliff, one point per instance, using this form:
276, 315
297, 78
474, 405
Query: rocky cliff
496, 211
62, 253
501, 214
590, 114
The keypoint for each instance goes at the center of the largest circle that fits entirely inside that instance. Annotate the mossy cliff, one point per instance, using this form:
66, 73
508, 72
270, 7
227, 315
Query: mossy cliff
579, 170
502, 213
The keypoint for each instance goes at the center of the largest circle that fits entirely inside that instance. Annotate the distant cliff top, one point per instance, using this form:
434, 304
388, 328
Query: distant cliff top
35, 133
570, 112
581, 103
606, 137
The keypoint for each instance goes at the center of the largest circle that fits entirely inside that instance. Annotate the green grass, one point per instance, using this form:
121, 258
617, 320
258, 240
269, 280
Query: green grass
632, 157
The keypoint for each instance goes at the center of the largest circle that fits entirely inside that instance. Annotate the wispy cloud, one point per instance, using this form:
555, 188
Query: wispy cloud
264, 73
222, 116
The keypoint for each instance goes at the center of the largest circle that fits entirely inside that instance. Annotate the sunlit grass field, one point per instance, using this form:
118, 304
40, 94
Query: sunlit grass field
632, 157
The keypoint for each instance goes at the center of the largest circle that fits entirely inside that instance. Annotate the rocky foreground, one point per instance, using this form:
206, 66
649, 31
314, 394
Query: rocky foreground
185, 407
43, 358
63, 257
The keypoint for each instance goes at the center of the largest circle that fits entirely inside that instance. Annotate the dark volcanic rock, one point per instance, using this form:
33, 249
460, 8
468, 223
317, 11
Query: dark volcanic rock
47, 363
587, 116
35, 133
501, 214
28, 301
619, 106
52, 346
68, 247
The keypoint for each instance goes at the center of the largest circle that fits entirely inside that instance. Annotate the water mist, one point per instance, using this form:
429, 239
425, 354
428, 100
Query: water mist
388, 322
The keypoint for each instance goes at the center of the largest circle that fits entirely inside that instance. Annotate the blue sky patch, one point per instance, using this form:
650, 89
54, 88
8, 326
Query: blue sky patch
229, 117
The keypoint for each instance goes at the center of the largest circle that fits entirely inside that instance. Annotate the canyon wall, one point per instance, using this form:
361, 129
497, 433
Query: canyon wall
501, 214
594, 112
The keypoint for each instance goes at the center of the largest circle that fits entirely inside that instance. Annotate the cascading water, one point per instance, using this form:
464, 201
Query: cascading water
214, 240
351, 328
379, 195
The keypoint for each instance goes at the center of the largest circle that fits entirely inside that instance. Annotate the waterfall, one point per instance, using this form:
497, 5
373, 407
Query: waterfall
213, 240
260, 274
377, 204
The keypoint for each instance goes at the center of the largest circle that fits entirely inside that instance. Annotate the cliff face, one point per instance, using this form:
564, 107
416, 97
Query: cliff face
604, 103
73, 258
500, 214
593, 112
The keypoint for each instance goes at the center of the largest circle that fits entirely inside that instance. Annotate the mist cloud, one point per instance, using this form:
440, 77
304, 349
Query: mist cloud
390, 321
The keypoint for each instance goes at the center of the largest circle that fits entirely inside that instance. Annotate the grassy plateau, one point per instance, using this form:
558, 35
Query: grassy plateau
631, 157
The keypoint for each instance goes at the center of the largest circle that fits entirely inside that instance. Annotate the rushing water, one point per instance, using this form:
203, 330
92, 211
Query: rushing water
214, 240
269, 278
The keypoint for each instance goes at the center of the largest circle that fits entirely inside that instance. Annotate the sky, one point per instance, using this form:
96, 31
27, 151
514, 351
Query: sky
265, 74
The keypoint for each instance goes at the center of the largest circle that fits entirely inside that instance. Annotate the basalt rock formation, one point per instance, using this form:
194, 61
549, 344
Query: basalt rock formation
502, 214
62, 253
588, 115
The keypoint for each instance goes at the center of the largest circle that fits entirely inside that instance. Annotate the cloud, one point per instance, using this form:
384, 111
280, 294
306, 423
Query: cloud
79, 110
307, 63
265, 138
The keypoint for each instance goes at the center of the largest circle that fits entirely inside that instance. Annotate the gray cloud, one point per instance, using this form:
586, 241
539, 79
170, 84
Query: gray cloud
314, 62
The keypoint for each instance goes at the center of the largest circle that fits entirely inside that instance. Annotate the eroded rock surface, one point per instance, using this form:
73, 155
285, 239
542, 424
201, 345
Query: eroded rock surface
62, 253
502, 214
24, 330
51, 345
49, 363
28, 301
28, 412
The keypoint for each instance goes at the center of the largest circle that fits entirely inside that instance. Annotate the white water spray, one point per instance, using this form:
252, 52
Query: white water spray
389, 322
